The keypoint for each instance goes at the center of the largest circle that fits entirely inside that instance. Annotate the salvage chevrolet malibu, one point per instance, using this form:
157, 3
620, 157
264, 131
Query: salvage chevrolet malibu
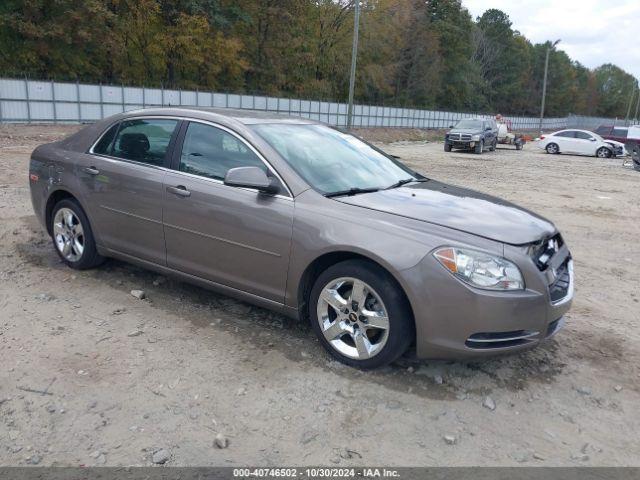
298, 217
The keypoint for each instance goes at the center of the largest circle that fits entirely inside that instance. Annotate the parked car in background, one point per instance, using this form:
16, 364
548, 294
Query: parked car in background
475, 134
580, 142
632, 145
611, 132
298, 217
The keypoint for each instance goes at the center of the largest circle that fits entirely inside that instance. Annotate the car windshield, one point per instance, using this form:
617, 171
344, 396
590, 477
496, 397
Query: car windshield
333, 162
469, 123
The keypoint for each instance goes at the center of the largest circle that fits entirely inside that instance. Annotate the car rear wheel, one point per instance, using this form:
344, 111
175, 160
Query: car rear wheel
360, 314
552, 148
72, 236
479, 148
603, 152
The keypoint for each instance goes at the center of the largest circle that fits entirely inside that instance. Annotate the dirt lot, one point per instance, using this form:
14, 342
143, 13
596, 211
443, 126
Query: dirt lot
92, 376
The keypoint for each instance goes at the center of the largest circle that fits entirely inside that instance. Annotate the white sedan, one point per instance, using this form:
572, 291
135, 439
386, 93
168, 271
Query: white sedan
581, 142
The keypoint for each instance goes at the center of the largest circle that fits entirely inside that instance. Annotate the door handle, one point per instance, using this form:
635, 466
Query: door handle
179, 190
91, 170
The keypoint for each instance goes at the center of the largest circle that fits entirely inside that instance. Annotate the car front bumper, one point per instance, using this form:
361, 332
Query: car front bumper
457, 321
461, 144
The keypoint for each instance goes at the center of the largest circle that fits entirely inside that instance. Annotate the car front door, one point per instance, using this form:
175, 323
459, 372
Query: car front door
585, 144
233, 236
122, 178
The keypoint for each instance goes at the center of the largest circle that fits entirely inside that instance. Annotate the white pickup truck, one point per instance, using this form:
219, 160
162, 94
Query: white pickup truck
633, 145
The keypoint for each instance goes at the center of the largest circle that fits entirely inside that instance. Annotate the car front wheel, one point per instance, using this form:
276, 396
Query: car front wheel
603, 152
72, 235
360, 314
479, 148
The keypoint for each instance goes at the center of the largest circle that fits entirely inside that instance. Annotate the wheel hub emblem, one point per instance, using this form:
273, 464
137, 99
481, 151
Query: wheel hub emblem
353, 317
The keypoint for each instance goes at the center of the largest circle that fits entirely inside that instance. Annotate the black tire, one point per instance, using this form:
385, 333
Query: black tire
494, 145
479, 148
604, 152
552, 148
447, 147
401, 331
89, 258
518, 146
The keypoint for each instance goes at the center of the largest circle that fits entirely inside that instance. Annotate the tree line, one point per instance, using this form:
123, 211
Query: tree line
414, 53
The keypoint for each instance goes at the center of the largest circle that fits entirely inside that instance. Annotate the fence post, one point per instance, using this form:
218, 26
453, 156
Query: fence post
162, 95
144, 99
26, 89
101, 102
78, 100
53, 100
122, 96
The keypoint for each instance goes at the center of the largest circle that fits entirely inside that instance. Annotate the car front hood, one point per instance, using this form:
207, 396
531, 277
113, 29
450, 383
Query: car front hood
458, 208
471, 131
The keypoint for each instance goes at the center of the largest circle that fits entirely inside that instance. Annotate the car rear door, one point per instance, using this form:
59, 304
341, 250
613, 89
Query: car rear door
122, 177
233, 236
564, 140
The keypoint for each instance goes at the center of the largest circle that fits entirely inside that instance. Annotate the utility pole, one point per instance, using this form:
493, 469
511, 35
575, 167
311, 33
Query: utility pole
544, 83
637, 106
354, 55
633, 91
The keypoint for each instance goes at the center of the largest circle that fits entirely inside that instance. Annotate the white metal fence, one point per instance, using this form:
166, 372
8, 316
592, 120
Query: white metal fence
31, 101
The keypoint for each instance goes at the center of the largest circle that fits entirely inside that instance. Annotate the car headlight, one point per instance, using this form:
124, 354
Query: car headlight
480, 269
475, 138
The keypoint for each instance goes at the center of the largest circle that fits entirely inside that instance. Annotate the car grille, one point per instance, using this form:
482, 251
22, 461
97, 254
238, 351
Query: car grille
460, 137
560, 287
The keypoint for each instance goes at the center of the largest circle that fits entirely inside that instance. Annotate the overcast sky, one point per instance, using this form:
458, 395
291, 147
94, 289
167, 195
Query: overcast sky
593, 32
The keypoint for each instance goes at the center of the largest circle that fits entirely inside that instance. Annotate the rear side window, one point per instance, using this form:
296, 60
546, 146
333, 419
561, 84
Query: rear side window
211, 152
619, 132
144, 140
569, 134
103, 146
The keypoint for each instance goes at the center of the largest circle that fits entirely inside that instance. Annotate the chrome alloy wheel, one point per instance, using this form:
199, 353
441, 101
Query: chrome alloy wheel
68, 234
353, 318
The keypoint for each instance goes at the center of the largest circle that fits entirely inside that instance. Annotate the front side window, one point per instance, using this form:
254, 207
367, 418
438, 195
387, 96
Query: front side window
583, 136
211, 152
144, 140
331, 161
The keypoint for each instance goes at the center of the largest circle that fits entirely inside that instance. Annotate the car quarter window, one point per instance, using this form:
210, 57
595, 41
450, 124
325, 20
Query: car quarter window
144, 140
105, 143
583, 135
211, 152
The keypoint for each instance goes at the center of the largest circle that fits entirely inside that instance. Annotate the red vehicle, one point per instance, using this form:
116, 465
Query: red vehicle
611, 132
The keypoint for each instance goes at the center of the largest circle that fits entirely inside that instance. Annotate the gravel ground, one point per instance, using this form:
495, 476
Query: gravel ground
93, 376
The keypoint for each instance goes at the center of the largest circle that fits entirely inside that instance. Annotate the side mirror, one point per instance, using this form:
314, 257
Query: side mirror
488, 129
450, 126
592, 139
251, 177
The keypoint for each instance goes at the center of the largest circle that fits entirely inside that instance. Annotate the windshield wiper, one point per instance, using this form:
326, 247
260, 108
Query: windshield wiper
404, 181
351, 191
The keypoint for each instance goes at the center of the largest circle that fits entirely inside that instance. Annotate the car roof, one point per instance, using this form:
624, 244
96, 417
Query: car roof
246, 117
